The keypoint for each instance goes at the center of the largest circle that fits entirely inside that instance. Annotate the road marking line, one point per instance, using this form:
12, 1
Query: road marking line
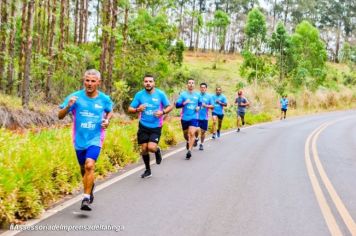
327, 183
324, 207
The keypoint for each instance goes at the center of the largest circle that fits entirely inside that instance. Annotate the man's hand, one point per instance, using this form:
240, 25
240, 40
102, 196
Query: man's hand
158, 114
186, 102
141, 108
105, 123
72, 100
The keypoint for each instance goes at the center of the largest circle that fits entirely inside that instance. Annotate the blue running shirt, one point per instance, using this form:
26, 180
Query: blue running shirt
284, 103
189, 110
204, 112
154, 102
88, 114
219, 109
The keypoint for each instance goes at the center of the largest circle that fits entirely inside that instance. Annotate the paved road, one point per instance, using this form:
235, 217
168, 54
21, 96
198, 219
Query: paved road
265, 180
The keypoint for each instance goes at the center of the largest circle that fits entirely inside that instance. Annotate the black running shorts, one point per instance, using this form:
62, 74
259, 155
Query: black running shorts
146, 135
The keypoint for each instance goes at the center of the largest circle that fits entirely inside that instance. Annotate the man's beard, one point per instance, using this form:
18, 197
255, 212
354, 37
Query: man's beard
149, 89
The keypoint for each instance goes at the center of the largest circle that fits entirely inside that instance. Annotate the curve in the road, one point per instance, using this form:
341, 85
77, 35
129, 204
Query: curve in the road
321, 198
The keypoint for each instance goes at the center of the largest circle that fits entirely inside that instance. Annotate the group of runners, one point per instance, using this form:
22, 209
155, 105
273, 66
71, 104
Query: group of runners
92, 110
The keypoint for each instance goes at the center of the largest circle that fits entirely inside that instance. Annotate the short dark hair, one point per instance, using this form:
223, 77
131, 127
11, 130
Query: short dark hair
148, 75
190, 79
201, 84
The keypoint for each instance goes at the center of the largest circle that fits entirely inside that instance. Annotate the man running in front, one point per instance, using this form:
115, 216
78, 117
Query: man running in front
152, 104
220, 102
91, 110
241, 103
207, 103
190, 103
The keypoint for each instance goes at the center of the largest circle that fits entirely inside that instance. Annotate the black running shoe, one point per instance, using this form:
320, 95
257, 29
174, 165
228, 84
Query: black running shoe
213, 136
91, 199
158, 156
85, 205
146, 174
238, 129
195, 142
201, 147
218, 133
189, 155
187, 146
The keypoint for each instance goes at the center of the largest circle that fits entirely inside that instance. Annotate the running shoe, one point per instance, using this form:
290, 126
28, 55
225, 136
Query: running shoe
85, 205
195, 142
146, 174
91, 199
218, 133
158, 156
189, 155
201, 147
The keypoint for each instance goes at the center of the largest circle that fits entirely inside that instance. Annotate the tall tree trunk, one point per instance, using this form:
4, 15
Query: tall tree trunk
43, 40
62, 32
112, 46
105, 38
124, 43
23, 44
11, 48
286, 12
51, 66
49, 20
337, 46
67, 23
180, 33
3, 36
86, 17
97, 21
274, 14
191, 48
81, 21
28, 52
76, 21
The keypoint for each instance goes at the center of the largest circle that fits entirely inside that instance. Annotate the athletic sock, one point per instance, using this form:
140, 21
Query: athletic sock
146, 160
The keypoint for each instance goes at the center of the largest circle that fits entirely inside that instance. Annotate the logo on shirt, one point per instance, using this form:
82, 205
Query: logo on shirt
155, 99
87, 125
98, 106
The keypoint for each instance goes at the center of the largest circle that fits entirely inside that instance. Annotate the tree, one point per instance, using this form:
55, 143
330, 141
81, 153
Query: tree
280, 44
309, 55
219, 24
11, 48
255, 30
3, 36
28, 53
51, 65
255, 65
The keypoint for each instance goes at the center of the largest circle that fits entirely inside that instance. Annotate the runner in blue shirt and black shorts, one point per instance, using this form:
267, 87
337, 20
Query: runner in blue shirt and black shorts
152, 104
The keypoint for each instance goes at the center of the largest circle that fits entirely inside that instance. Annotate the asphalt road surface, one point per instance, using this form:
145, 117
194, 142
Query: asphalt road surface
291, 177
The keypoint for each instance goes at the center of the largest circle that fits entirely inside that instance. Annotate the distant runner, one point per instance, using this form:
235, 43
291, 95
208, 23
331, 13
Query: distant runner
190, 103
284, 106
242, 104
220, 102
152, 104
91, 110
